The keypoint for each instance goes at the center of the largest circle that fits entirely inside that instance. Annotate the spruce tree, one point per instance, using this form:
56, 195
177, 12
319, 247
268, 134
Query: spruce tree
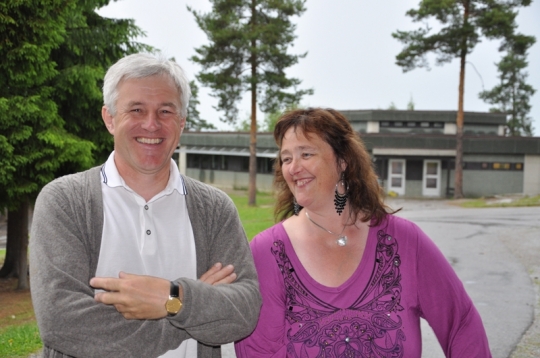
33, 141
53, 57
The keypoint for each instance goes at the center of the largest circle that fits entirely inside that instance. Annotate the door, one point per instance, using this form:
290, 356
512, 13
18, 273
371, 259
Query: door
431, 180
396, 176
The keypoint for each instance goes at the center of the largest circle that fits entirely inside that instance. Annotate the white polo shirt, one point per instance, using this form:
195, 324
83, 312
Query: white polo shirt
152, 238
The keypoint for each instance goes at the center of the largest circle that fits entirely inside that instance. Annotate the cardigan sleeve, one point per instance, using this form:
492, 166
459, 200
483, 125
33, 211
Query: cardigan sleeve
445, 304
62, 251
218, 314
268, 338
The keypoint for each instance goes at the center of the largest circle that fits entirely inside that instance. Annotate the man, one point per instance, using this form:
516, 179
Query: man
116, 250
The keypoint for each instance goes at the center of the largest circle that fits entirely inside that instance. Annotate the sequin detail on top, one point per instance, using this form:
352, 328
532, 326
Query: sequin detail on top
370, 328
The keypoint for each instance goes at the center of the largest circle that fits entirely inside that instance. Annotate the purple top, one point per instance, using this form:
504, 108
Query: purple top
376, 313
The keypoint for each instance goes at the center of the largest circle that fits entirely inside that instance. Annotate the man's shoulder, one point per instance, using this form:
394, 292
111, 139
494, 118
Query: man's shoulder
75, 180
193, 186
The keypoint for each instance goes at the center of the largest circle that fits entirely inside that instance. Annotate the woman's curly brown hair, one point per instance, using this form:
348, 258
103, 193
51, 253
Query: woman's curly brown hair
365, 194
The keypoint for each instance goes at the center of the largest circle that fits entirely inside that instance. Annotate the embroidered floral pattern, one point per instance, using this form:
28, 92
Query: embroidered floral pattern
370, 327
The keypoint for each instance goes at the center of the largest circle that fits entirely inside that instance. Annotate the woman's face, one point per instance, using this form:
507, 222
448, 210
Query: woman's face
310, 169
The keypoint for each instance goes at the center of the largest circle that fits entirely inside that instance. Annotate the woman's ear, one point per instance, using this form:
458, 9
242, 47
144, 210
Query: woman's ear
342, 165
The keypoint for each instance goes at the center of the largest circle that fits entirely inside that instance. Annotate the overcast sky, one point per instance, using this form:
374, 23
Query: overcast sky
351, 55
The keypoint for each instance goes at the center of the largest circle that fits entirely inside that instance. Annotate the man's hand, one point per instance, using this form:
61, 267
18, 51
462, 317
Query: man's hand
218, 274
134, 296
144, 297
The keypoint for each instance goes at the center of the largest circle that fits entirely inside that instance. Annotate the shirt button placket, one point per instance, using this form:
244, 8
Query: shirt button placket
148, 232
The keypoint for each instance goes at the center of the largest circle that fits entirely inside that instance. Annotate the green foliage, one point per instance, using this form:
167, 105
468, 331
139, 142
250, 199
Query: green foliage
248, 52
19, 341
502, 202
33, 141
463, 25
92, 44
194, 122
512, 94
52, 61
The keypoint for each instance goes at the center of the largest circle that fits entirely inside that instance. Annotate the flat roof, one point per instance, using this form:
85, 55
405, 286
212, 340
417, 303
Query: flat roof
237, 143
380, 115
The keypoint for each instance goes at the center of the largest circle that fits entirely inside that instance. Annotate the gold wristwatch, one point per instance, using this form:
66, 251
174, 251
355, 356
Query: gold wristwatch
173, 304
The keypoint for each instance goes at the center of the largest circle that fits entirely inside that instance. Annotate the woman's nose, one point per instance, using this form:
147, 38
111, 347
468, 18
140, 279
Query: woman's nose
294, 167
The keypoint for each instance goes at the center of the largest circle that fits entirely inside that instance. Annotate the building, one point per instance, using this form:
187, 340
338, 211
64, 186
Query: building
413, 153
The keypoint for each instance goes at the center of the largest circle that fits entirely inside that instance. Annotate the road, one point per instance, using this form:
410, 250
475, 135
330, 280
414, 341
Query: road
496, 253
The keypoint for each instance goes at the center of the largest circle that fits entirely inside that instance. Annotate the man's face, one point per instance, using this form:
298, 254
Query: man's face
147, 125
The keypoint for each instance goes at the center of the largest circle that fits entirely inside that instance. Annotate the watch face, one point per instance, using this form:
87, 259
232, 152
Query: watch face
173, 305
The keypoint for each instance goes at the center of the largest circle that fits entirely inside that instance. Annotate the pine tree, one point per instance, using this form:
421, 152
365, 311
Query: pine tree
463, 24
248, 47
512, 94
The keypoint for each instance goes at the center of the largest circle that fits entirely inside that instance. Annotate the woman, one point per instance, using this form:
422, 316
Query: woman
341, 276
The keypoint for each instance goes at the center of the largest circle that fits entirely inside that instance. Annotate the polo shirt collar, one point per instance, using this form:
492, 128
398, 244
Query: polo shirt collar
111, 177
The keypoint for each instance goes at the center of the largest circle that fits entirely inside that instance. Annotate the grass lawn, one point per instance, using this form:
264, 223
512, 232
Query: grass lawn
502, 202
254, 219
19, 335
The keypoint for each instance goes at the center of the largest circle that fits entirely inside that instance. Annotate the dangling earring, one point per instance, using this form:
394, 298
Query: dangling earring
341, 199
296, 207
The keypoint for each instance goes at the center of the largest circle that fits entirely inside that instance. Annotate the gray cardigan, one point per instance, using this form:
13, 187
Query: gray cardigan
64, 250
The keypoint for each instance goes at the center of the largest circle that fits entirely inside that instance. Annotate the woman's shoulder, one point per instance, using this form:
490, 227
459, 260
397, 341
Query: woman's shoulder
266, 238
397, 226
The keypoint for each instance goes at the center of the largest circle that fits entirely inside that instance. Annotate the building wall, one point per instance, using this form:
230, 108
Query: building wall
230, 180
531, 175
478, 183
413, 188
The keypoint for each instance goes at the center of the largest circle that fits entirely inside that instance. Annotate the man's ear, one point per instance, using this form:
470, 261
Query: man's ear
107, 119
182, 124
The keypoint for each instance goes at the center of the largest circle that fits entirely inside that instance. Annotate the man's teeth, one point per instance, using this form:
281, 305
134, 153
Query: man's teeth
149, 140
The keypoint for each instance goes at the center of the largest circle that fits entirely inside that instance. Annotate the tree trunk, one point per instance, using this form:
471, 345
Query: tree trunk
252, 189
16, 262
458, 177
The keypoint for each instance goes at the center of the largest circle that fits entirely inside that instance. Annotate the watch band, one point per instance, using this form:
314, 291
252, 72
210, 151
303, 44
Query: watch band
175, 290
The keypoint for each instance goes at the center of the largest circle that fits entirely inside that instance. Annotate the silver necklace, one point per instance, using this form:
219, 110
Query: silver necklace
341, 240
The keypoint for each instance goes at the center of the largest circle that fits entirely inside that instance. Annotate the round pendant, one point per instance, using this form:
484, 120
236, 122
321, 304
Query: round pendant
342, 241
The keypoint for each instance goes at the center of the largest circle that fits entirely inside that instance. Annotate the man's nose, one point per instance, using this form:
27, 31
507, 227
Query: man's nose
151, 121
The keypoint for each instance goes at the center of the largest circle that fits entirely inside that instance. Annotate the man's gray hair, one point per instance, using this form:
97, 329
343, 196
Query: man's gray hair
141, 65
